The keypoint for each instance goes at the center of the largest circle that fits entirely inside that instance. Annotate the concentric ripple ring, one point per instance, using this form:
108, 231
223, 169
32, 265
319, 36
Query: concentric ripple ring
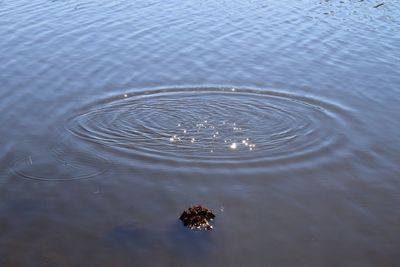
214, 126
60, 165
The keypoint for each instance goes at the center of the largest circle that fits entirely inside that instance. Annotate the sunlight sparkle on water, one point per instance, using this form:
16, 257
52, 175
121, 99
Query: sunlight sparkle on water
221, 135
175, 138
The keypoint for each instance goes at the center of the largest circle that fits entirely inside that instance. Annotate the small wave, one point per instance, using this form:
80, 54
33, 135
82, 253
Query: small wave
211, 126
60, 164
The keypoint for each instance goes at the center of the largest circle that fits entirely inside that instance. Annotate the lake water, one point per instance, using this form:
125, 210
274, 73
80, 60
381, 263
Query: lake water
281, 116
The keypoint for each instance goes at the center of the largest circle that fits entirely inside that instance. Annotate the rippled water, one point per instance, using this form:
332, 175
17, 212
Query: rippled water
216, 127
281, 116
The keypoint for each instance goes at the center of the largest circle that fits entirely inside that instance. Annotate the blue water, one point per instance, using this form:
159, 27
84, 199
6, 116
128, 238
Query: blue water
281, 116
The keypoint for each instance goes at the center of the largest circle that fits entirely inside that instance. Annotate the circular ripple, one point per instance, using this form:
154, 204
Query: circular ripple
60, 165
213, 126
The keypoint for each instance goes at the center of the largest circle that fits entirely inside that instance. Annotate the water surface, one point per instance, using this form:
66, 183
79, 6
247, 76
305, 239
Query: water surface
281, 116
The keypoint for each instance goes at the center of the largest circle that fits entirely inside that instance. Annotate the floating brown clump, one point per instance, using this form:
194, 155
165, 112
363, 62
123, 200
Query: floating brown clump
197, 217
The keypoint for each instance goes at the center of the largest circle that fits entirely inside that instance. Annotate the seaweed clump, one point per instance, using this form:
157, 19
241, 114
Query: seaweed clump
197, 217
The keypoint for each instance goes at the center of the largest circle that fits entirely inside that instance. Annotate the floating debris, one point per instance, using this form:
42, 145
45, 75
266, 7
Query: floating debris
197, 217
378, 5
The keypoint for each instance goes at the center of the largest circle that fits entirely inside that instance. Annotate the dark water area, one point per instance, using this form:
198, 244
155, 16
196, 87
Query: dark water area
281, 116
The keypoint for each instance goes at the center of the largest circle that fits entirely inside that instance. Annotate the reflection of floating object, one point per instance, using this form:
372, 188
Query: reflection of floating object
197, 217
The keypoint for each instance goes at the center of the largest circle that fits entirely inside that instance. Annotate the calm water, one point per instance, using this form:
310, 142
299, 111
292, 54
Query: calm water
281, 116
